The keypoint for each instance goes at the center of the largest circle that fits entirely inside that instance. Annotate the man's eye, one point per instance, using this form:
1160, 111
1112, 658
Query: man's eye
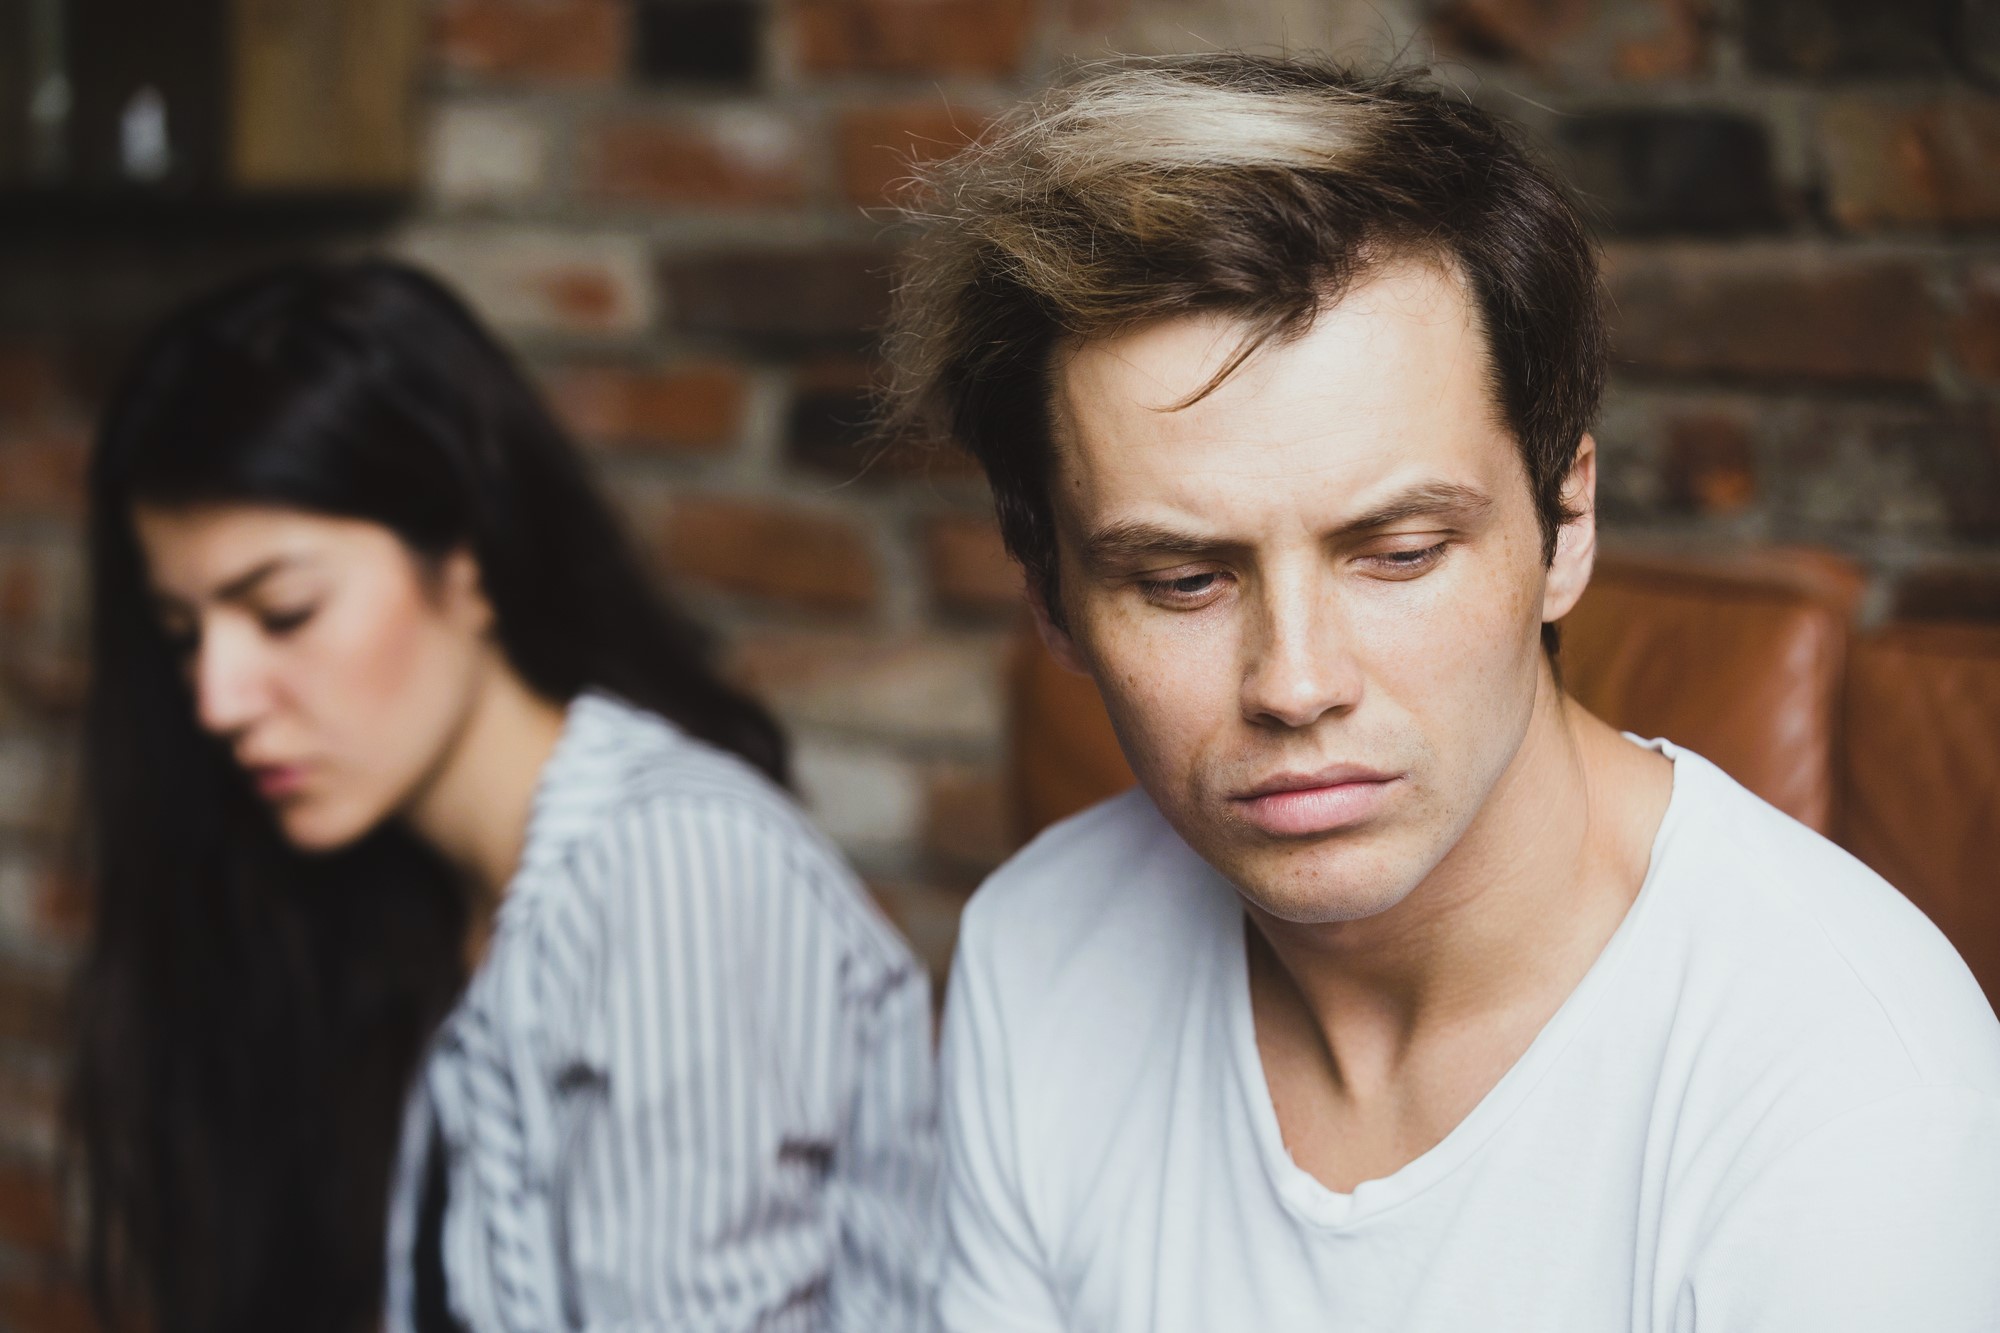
1186, 589
1404, 564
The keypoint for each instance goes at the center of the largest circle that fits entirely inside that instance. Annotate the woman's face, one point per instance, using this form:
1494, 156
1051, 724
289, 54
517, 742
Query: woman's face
336, 665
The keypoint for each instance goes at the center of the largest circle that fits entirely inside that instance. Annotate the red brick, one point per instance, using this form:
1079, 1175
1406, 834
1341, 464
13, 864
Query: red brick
1975, 331
880, 145
1710, 465
563, 41
46, 682
803, 557
62, 897
827, 295
981, 37
745, 159
969, 566
44, 1303
1821, 41
1931, 163
31, 1004
28, 1114
29, 382
830, 428
29, 1217
965, 817
42, 473
21, 592
1678, 49
1757, 312
1842, 471
1642, 40
696, 409
1663, 170
920, 688
41, 668
1522, 30
545, 279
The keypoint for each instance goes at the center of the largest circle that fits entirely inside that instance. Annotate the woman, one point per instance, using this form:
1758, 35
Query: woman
458, 961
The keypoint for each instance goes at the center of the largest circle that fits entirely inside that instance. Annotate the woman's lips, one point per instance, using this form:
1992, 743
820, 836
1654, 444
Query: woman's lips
1291, 807
274, 782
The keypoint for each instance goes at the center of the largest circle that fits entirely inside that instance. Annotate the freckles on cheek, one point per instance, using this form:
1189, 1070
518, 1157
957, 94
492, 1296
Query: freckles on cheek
1173, 688
1444, 638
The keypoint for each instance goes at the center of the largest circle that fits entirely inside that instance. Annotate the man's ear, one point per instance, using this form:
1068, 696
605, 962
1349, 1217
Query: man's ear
1054, 637
1576, 543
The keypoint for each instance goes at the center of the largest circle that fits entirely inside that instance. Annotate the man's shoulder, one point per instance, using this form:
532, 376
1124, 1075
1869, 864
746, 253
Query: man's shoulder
1110, 896
1804, 937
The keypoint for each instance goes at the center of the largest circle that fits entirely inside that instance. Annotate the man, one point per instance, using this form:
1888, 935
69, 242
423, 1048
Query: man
1402, 994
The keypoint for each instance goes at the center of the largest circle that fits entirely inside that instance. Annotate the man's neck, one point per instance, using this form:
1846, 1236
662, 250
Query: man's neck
1406, 1019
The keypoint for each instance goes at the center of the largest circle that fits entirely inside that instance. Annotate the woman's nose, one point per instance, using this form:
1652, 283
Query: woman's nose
229, 679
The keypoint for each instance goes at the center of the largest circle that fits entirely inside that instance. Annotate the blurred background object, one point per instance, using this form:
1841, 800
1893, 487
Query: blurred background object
207, 103
674, 208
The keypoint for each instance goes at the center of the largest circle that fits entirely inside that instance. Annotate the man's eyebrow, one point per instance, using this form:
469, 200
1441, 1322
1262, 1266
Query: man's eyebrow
1443, 499
1136, 540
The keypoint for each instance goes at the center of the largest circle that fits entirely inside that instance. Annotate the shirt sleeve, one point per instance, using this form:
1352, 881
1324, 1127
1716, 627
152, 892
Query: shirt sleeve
759, 1150
994, 1278
1884, 1218
883, 1187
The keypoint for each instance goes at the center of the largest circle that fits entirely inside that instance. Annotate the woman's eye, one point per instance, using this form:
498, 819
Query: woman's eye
284, 622
1403, 564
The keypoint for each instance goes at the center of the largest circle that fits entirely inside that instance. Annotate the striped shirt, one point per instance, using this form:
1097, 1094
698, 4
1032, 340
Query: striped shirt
690, 1085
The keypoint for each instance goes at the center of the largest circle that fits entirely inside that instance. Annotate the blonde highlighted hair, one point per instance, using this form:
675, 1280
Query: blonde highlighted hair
1254, 186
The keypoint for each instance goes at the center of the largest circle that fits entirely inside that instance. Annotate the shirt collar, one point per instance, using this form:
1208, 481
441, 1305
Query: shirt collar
578, 776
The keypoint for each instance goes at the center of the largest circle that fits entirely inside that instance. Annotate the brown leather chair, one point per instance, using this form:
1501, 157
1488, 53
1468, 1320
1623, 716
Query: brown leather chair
1921, 775
1888, 742
1738, 660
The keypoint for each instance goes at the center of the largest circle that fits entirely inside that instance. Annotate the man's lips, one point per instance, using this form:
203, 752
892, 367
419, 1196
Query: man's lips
1300, 804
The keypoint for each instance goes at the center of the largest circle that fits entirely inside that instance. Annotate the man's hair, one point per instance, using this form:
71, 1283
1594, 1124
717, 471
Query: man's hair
1252, 186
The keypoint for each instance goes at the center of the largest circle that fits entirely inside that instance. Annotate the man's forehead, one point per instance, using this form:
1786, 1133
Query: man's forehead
1397, 367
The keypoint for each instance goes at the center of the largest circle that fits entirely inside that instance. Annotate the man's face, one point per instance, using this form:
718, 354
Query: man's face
1313, 599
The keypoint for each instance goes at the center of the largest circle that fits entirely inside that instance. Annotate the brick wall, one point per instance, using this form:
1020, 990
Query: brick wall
671, 207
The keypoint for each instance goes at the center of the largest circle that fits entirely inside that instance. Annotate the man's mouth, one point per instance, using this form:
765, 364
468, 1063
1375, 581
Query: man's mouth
1301, 804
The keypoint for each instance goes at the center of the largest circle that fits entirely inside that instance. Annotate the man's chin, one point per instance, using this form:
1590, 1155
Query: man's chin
1319, 884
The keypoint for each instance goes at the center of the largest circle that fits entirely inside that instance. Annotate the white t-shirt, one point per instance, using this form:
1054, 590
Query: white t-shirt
1772, 1104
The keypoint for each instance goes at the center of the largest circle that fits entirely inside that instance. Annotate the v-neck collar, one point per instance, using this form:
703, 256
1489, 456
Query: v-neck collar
1313, 1202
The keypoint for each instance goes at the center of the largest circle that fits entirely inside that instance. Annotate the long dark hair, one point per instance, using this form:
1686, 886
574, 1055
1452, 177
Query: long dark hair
250, 1016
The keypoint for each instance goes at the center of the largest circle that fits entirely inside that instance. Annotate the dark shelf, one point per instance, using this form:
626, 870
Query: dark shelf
67, 213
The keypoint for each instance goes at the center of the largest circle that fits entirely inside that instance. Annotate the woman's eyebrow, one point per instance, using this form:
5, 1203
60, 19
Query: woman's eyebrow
245, 583
237, 588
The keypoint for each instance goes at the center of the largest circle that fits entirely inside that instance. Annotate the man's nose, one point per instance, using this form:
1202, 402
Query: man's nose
1301, 665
